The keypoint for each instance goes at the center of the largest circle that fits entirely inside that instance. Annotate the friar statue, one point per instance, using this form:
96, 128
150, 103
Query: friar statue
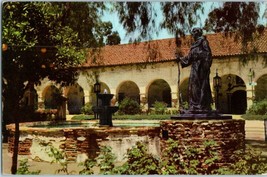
199, 57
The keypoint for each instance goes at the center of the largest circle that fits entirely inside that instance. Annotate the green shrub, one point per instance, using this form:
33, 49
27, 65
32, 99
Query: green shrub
178, 160
87, 109
160, 107
185, 105
106, 160
129, 106
258, 108
88, 165
249, 162
140, 162
24, 168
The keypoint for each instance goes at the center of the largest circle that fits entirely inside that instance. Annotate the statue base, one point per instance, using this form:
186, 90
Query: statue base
228, 135
200, 115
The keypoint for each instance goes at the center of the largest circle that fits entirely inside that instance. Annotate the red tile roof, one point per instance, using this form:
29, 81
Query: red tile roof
164, 50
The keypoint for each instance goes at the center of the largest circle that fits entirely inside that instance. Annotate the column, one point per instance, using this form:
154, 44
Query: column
175, 96
249, 96
40, 100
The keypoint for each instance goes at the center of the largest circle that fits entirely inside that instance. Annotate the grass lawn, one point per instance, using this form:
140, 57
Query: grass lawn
127, 117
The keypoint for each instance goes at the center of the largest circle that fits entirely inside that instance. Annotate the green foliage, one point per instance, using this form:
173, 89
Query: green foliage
140, 162
160, 107
113, 39
179, 18
24, 168
240, 18
176, 159
258, 108
88, 165
185, 105
129, 106
180, 14
87, 109
46, 40
187, 160
249, 162
106, 160
57, 156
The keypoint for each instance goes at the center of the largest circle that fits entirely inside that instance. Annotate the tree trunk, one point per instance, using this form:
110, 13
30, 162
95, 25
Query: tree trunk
11, 114
16, 148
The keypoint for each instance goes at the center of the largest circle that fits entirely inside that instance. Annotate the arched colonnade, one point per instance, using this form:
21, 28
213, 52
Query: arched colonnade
233, 96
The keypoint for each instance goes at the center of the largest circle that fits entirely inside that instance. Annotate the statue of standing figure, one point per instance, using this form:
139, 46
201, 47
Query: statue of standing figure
200, 57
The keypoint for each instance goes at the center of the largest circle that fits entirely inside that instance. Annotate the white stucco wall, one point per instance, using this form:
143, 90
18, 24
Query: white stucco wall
144, 74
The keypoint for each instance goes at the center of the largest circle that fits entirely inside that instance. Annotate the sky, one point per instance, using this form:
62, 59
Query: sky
163, 34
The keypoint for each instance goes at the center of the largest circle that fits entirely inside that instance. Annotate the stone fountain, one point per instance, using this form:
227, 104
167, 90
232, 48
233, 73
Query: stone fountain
105, 110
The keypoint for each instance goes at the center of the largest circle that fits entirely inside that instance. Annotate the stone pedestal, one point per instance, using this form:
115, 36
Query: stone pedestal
105, 110
229, 135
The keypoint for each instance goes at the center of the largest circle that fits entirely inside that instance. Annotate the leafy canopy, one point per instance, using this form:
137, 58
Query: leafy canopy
45, 38
180, 17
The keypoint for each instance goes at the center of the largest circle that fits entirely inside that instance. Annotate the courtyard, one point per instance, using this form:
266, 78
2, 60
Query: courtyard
105, 88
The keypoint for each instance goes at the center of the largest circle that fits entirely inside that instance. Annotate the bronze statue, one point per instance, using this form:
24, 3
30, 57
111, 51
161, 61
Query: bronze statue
200, 98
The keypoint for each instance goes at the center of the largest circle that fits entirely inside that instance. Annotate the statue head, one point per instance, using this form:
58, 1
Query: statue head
197, 32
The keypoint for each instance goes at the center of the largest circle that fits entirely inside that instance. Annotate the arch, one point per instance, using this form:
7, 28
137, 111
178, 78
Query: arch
75, 97
128, 89
260, 88
159, 90
233, 87
49, 97
184, 90
239, 102
30, 97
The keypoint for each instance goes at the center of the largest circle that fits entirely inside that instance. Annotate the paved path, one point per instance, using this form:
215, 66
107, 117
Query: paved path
254, 131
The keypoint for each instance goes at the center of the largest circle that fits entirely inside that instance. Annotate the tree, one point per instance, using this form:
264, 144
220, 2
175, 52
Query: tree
44, 40
238, 18
113, 39
179, 17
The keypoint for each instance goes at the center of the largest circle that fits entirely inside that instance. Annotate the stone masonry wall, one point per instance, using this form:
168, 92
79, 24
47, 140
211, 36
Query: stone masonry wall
229, 135
80, 143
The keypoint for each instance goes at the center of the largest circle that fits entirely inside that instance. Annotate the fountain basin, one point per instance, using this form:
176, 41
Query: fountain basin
82, 139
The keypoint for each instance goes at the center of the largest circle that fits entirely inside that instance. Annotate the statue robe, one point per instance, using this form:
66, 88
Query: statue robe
199, 57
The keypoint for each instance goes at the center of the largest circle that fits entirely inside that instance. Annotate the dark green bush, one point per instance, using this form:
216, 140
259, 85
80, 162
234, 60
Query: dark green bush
87, 109
160, 107
192, 161
258, 108
83, 117
129, 106
140, 162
